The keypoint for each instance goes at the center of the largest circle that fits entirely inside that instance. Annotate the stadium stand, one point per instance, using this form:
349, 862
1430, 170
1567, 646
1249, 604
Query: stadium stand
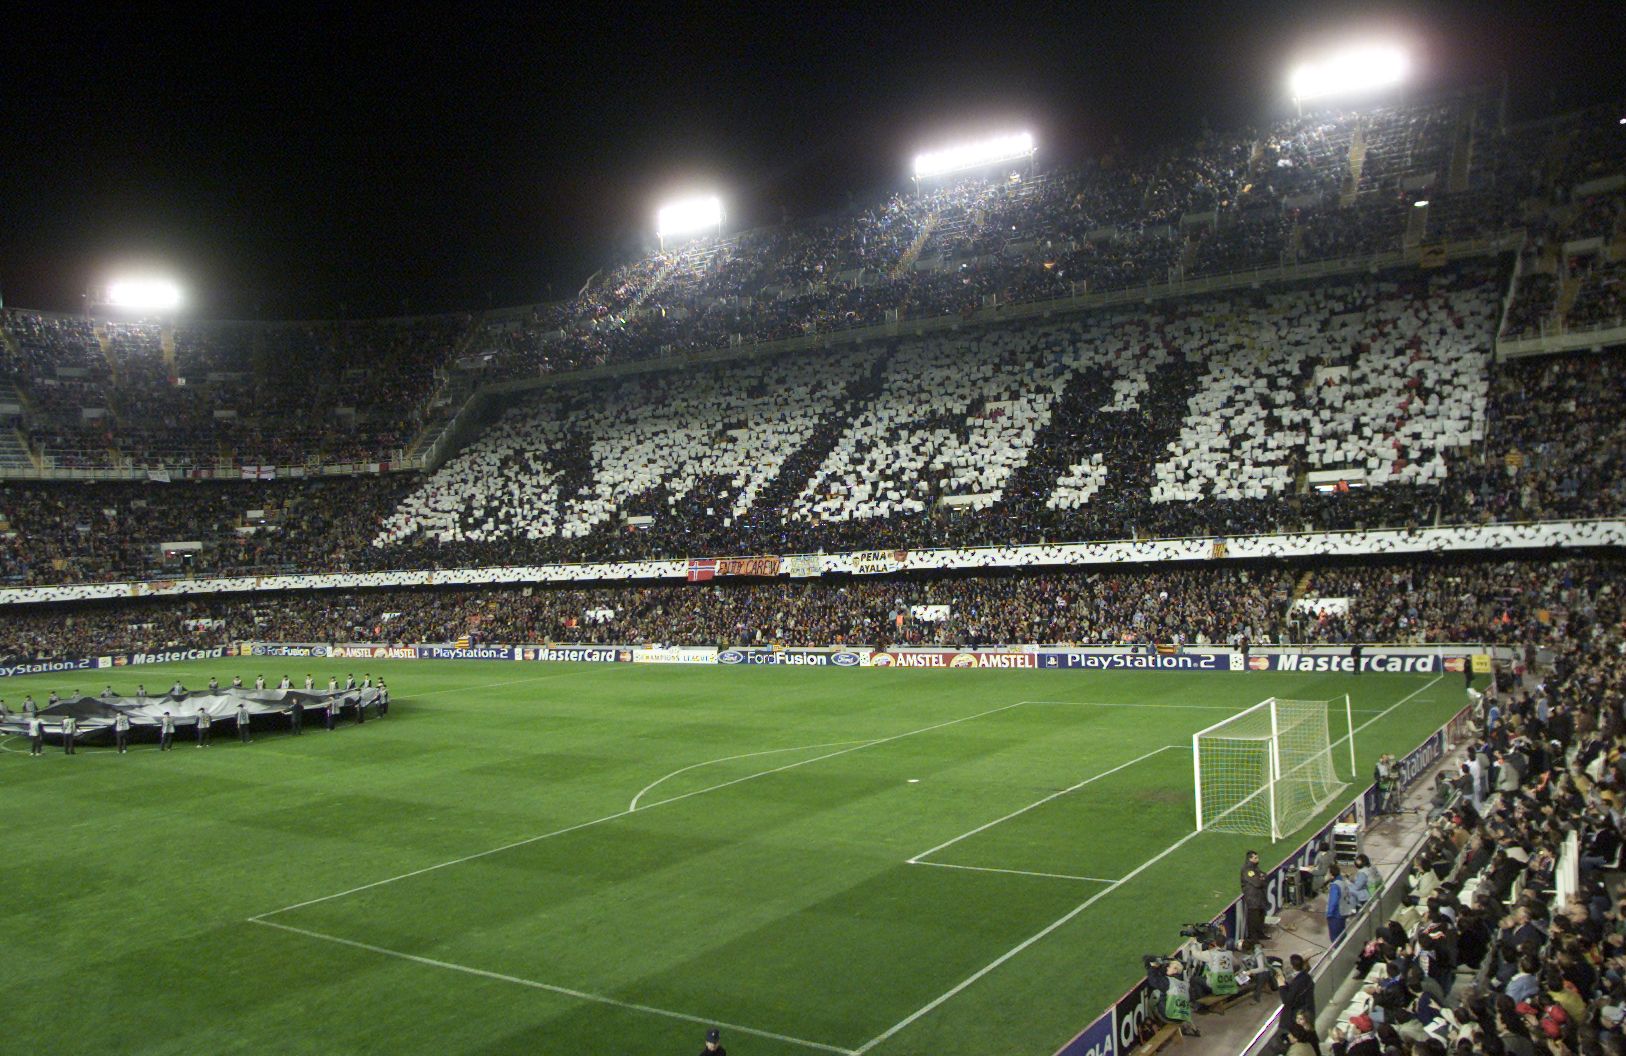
1473, 599
1201, 417
1205, 415
1509, 938
688, 403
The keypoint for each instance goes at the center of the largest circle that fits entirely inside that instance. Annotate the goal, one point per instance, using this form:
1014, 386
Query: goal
1268, 770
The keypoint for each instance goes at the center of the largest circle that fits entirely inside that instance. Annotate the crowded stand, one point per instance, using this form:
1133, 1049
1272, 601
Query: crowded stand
1508, 936
1179, 419
1203, 417
137, 395
1414, 602
151, 396
1511, 602
1555, 443
76, 533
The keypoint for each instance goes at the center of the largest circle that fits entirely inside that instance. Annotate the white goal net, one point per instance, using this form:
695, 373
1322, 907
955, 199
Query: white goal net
1268, 770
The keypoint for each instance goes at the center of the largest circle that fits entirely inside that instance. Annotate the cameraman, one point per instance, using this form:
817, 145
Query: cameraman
1172, 997
1216, 966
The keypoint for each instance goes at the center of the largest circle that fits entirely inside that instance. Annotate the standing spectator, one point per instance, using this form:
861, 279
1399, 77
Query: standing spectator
1337, 893
1255, 901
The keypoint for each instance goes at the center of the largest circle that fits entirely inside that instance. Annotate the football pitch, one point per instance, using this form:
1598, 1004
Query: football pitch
533, 858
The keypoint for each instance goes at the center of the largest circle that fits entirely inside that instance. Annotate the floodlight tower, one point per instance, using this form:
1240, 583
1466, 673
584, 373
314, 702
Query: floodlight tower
963, 157
691, 216
1352, 71
148, 294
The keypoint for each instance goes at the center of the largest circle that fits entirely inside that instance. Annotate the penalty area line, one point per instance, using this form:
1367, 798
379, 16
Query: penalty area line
916, 860
1017, 872
1073, 913
564, 991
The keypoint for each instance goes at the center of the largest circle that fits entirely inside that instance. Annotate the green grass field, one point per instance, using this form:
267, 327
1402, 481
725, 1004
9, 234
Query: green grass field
469, 875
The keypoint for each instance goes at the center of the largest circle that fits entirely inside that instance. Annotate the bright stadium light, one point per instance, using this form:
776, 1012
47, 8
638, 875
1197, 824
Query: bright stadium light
688, 217
1352, 71
974, 155
146, 295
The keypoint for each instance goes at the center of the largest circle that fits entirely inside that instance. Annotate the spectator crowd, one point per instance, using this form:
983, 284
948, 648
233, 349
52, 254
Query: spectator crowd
1470, 600
1493, 951
132, 395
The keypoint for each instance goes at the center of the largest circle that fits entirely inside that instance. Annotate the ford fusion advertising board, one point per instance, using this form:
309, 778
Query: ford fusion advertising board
790, 657
286, 649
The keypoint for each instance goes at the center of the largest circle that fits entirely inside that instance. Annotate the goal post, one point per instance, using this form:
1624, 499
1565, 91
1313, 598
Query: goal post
1268, 770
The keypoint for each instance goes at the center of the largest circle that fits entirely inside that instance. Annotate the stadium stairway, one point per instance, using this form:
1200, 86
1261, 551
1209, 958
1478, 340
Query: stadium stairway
912, 254
1568, 291
14, 457
1357, 161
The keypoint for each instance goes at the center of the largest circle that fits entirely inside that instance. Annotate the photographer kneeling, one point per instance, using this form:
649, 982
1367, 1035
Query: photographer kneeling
1165, 977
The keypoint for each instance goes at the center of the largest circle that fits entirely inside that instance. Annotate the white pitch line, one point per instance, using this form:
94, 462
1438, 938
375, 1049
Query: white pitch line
259, 918
563, 990
1071, 914
1039, 803
1426, 686
730, 758
1024, 944
1127, 704
1018, 872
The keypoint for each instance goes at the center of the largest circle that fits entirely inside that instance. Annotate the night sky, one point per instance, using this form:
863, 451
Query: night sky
317, 163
